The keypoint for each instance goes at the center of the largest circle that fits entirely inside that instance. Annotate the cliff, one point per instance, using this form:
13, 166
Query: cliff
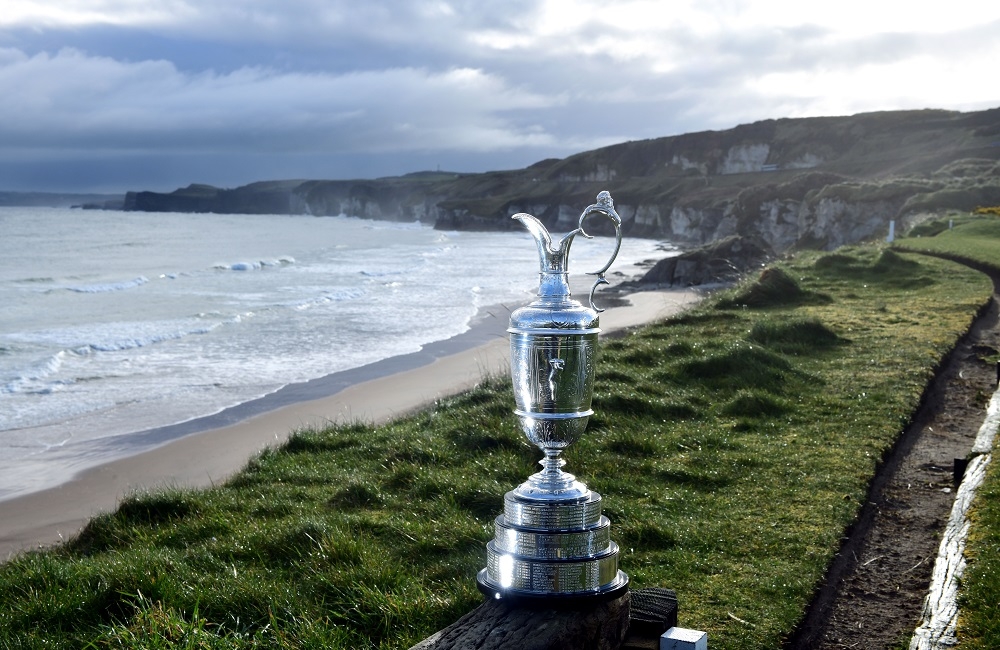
809, 182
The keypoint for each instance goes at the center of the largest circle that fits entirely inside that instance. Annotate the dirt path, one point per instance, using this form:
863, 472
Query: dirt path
876, 587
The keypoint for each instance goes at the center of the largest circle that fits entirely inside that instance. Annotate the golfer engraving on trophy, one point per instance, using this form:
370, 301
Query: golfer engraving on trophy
552, 542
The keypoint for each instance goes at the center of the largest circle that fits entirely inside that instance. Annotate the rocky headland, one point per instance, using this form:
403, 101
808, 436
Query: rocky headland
780, 184
62, 200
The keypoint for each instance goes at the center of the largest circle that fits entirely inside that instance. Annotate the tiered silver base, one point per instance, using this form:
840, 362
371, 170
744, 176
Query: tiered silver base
552, 549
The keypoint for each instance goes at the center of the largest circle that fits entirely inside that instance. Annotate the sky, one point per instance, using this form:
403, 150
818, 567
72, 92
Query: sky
115, 95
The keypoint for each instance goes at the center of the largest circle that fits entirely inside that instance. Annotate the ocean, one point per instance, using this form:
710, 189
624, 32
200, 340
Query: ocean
117, 323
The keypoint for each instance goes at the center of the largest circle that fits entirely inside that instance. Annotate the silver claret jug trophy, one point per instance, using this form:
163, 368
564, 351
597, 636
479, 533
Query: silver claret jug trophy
552, 543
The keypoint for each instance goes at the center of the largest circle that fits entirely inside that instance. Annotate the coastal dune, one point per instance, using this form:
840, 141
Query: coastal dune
376, 393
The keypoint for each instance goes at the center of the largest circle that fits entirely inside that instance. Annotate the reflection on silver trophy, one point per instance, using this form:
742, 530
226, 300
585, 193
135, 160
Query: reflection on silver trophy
552, 542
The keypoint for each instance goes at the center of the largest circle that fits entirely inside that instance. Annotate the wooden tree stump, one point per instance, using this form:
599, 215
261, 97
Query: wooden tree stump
495, 625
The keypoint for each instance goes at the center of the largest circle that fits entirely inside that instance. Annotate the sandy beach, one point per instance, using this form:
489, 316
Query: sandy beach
226, 442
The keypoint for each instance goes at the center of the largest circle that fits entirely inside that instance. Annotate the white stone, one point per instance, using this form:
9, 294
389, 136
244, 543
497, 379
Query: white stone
679, 638
745, 158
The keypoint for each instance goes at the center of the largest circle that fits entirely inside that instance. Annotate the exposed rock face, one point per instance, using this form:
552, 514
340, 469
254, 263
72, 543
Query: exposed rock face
814, 182
835, 222
745, 158
724, 260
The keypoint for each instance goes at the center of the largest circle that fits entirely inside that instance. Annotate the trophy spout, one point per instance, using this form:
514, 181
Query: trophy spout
553, 259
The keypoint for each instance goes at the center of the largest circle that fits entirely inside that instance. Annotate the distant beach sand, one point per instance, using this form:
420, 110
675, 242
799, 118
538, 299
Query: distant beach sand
374, 393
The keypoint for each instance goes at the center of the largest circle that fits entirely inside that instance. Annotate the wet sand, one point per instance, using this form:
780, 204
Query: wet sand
209, 450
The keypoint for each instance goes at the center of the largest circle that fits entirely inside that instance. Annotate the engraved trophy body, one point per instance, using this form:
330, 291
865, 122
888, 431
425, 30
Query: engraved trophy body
552, 542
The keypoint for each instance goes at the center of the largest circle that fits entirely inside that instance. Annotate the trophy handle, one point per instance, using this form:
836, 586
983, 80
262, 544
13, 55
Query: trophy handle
605, 206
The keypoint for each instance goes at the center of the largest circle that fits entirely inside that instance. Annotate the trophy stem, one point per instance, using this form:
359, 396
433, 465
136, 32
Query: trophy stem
552, 465
552, 483
552, 479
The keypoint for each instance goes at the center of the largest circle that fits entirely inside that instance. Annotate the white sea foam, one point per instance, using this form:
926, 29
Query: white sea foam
254, 265
114, 336
33, 379
110, 286
328, 297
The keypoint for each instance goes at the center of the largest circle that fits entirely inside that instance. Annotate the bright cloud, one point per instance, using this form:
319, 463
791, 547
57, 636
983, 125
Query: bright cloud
72, 99
81, 13
452, 81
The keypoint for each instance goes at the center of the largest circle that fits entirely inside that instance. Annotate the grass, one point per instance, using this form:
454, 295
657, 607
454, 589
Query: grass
979, 616
733, 446
973, 238
976, 239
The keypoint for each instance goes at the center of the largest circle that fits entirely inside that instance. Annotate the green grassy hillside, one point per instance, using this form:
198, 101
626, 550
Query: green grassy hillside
733, 446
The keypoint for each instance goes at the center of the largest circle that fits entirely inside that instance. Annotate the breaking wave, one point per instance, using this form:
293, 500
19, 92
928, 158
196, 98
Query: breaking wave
111, 286
254, 265
115, 338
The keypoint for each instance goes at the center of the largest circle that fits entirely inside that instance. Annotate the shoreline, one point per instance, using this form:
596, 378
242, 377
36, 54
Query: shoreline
209, 450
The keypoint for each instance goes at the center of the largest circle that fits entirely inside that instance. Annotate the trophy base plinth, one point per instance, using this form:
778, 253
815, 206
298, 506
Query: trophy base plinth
555, 600
561, 564
552, 514
551, 575
539, 544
